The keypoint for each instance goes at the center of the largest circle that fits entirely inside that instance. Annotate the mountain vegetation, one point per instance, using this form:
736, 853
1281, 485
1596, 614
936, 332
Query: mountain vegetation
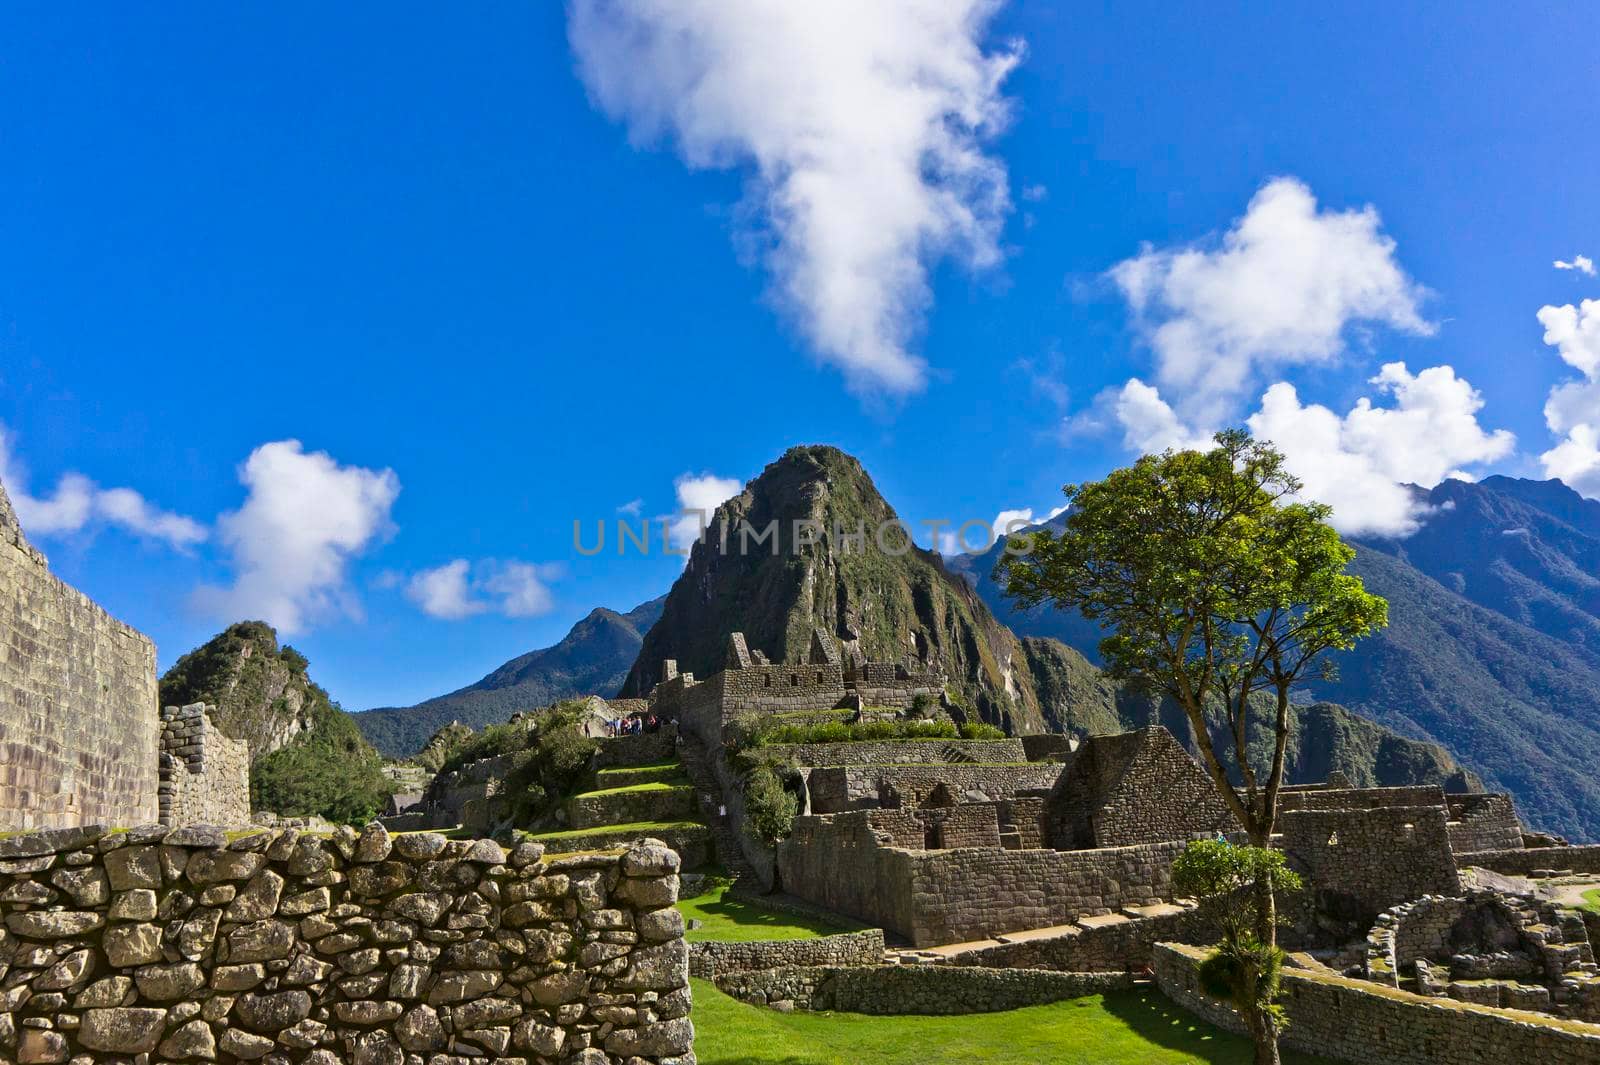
307, 756
593, 658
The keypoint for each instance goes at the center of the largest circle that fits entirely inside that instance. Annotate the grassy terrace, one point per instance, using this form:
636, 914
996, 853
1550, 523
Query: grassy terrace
740, 920
636, 830
1125, 1028
653, 785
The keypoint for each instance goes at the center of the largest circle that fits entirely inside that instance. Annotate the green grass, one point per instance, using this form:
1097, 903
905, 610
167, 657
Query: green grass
1122, 1028
738, 920
1591, 900
654, 785
637, 828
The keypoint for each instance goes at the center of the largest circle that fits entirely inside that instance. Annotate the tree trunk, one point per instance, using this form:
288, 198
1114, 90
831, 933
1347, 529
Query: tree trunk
1262, 1030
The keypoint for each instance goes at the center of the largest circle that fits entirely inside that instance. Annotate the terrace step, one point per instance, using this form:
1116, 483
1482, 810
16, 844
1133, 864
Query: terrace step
650, 802
627, 777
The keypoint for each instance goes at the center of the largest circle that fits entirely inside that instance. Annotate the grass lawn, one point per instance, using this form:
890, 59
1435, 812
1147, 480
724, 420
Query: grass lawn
1123, 1028
1591, 900
735, 920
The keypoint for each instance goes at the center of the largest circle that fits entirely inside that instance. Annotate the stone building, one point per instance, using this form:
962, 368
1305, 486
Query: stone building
79, 730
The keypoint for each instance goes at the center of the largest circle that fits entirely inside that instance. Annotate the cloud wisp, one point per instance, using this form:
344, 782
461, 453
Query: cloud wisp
461, 589
304, 518
862, 128
1581, 263
702, 494
1284, 286
78, 503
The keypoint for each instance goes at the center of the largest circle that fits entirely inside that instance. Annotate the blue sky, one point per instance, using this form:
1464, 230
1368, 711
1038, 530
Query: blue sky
507, 266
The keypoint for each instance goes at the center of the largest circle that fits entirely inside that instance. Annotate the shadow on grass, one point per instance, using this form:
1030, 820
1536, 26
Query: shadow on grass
1159, 1021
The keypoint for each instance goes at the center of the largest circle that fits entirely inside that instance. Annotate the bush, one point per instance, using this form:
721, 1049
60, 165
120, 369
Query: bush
553, 760
977, 730
769, 807
751, 735
327, 771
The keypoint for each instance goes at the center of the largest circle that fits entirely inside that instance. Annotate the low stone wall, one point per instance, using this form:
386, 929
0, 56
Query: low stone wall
182, 944
933, 990
1359, 1022
1519, 862
835, 789
205, 776
898, 752
647, 748
708, 959
692, 843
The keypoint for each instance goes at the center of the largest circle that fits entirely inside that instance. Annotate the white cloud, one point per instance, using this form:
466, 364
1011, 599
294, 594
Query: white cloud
1575, 333
1581, 263
862, 127
1361, 463
1149, 424
1576, 460
1572, 410
442, 592
459, 589
1283, 288
77, 502
702, 494
633, 508
304, 518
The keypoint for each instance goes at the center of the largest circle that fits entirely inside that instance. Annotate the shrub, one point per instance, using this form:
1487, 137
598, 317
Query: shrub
769, 807
977, 730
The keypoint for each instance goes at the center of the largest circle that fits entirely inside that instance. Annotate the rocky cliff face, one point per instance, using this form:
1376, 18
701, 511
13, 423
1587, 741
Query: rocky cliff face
886, 606
260, 690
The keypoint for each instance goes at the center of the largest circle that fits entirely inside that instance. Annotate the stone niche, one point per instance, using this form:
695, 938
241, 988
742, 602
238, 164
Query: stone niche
79, 730
193, 944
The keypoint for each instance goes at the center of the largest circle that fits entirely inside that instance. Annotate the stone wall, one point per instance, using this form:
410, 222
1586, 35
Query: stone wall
1526, 862
894, 990
1358, 1022
182, 945
1483, 823
1124, 946
708, 959
79, 729
898, 752
1321, 797
835, 789
1360, 862
870, 865
205, 776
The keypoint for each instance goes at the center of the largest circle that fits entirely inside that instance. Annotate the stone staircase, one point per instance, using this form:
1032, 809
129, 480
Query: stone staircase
709, 797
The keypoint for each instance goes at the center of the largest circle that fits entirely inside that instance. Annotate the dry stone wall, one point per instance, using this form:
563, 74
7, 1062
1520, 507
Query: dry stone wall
870, 865
205, 776
894, 990
1483, 823
79, 730
1527, 862
1361, 862
708, 959
835, 789
1358, 1022
355, 949
898, 752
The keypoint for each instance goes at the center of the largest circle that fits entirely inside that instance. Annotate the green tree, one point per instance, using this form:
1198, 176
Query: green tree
1217, 586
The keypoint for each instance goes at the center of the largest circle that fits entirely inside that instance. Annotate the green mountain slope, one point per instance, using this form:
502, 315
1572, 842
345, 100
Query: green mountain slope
307, 756
592, 659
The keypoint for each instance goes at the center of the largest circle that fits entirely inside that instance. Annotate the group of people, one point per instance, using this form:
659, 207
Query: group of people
633, 725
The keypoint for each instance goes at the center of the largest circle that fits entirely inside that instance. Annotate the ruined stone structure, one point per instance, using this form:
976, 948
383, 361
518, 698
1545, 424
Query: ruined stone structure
1135, 787
750, 684
205, 776
79, 730
836, 789
183, 945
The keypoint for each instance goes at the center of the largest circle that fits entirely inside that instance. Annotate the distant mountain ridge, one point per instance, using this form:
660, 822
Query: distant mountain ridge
592, 659
1493, 644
